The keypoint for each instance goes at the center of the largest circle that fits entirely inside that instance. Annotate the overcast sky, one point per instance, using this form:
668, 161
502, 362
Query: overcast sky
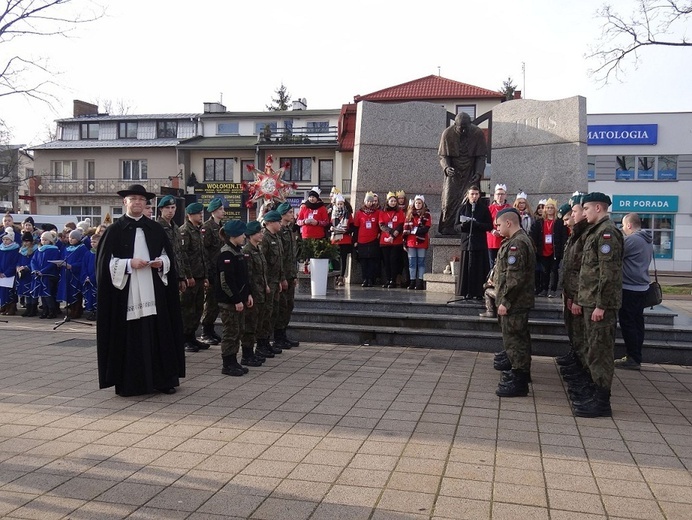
162, 56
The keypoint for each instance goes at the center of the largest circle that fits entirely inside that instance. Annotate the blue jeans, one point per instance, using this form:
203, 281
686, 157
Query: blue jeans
416, 261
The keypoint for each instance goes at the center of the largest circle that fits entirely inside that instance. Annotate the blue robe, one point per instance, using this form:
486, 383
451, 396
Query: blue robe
70, 286
45, 273
88, 280
9, 256
23, 280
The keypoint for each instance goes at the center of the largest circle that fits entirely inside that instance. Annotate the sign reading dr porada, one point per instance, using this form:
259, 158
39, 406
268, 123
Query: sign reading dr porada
645, 203
598, 135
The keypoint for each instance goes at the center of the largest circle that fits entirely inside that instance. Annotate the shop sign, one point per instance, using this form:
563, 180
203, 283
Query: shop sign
231, 193
645, 203
599, 135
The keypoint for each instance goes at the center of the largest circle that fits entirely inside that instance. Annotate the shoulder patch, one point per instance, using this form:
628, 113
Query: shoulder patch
512, 248
511, 260
606, 236
226, 261
605, 249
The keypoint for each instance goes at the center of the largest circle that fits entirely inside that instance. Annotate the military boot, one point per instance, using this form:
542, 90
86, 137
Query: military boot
597, 406
264, 348
567, 359
208, 336
508, 374
231, 367
490, 311
190, 345
276, 349
502, 362
290, 341
516, 386
249, 358
280, 341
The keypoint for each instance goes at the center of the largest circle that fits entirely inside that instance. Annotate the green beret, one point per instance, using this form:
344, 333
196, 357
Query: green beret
596, 196
234, 228
195, 207
167, 200
508, 210
214, 204
272, 216
564, 209
576, 199
253, 228
284, 208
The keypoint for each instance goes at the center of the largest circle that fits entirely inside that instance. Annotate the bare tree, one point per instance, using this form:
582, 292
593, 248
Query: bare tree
652, 23
114, 107
21, 20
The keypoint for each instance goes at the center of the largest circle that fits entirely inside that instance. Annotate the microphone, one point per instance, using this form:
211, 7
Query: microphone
473, 207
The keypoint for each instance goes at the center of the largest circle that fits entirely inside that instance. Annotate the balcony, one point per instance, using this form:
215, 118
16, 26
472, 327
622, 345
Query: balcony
47, 186
299, 136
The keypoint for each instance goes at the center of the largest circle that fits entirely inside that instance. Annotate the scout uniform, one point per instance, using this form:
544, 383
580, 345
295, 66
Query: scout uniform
514, 281
273, 253
173, 233
233, 294
257, 274
600, 286
212, 243
197, 265
289, 243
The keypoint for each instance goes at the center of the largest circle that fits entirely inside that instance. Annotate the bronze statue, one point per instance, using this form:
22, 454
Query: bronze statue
462, 156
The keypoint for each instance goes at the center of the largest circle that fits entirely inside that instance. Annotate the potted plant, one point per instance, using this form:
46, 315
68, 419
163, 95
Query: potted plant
318, 252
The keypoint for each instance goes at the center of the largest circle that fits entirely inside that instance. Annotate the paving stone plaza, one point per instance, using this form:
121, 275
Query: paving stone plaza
329, 431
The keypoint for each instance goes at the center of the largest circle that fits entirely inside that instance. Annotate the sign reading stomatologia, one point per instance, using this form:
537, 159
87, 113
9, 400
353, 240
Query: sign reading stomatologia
621, 134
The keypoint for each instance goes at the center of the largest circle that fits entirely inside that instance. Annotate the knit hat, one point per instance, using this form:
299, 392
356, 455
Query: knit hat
234, 228
272, 216
284, 208
369, 197
194, 208
9, 232
252, 228
27, 237
315, 192
564, 209
50, 236
84, 225
596, 196
167, 200
76, 234
215, 204
29, 219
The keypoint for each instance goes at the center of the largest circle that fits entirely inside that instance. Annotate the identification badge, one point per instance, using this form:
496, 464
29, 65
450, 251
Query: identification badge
415, 230
549, 239
391, 224
368, 225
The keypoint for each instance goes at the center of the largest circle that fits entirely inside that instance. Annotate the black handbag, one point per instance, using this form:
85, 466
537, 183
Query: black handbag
654, 294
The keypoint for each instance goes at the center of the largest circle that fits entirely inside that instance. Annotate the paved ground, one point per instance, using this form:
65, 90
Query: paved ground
332, 432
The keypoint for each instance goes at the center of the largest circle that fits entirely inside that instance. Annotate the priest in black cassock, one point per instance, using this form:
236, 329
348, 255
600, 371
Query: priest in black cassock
473, 222
139, 328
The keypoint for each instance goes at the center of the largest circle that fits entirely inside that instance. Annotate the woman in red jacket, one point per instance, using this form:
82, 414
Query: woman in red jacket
312, 216
494, 239
342, 219
365, 240
417, 240
391, 239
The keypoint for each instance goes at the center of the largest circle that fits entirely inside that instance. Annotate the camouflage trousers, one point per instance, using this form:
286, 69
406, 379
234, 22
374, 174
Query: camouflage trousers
252, 317
265, 328
575, 332
233, 324
211, 307
517, 340
600, 346
191, 306
286, 304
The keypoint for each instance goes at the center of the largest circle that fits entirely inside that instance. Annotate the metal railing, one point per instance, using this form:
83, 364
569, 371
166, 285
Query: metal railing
48, 186
299, 135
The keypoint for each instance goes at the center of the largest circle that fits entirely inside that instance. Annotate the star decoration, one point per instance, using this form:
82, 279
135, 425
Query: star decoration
268, 184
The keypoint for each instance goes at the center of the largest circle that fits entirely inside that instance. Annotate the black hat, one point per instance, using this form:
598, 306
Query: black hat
136, 189
596, 196
29, 219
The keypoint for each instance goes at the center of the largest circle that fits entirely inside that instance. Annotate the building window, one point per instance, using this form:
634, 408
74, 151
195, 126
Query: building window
326, 173
218, 170
64, 170
300, 169
227, 129
116, 211
167, 129
93, 213
591, 171
260, 128
469, 109
127, 130
134, 169
662, 229
318, 126
646, 168
89, 131
29, 172
246, 175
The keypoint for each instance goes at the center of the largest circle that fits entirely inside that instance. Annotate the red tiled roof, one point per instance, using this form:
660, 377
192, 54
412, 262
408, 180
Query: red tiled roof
429, 87
347, 128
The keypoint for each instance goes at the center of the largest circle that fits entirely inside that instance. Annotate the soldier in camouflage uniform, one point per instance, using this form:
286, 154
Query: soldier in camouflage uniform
167, 209
514, 282
212, 244
600, 297
257, 274
289, 242
232, 293
196, 276
273, 253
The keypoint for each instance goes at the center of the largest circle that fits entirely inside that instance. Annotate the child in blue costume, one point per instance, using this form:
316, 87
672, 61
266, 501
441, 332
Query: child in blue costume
45, 274
88, 276
9, 253
23, 279
70, 285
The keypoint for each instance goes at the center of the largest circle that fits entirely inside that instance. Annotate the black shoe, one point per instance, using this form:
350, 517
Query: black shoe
290, 341
502, 364
167, 391
597, 406
279, 342
264, 348
574, 368
516, 386
231, 367
200, 345
567, 359
191, 347
627, 364
90, 316
275, 348
208, 340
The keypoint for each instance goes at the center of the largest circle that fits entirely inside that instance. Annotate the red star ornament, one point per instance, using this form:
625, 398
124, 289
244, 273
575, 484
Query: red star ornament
268, 184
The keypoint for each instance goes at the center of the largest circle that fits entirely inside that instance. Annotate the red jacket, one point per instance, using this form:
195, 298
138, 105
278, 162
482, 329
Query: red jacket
493, 241
339, 224
319, 214
368, 225
413, 228
392, 220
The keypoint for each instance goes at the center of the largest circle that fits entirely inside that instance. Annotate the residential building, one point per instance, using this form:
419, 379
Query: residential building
16, 164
